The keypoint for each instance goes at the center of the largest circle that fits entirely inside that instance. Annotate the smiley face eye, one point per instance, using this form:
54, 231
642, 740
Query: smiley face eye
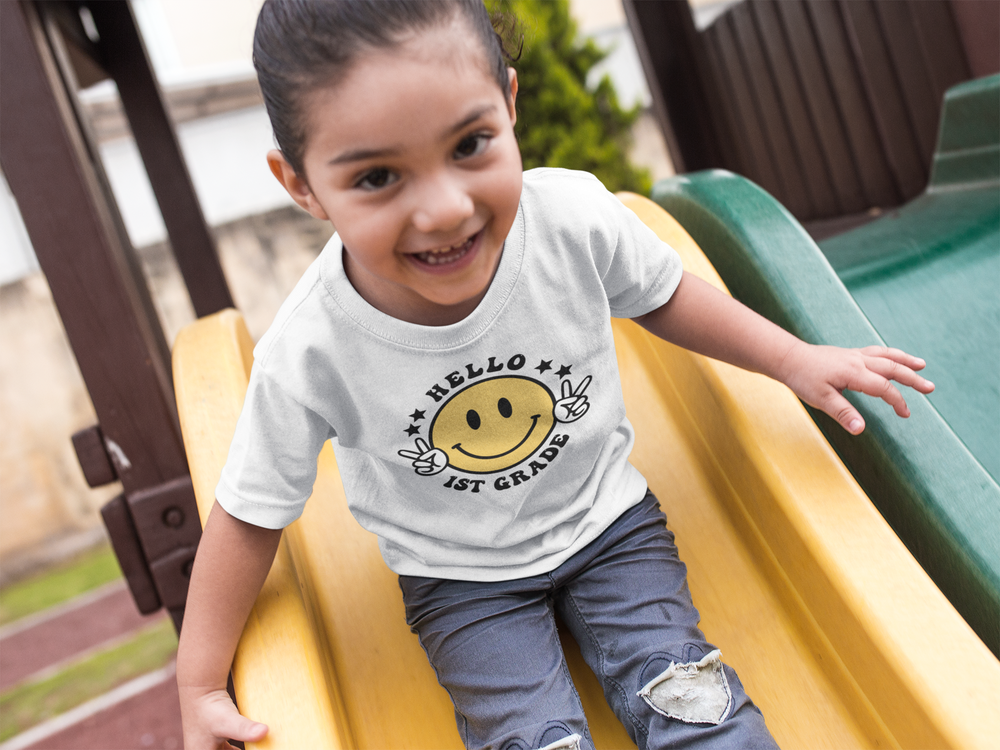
472, 417
504, 407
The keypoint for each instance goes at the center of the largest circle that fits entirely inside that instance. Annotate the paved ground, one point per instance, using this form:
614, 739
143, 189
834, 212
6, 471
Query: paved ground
142, 714
67, 632
149, 720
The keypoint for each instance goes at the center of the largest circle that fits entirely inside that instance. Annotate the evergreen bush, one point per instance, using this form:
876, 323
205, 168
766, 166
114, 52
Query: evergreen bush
560, 122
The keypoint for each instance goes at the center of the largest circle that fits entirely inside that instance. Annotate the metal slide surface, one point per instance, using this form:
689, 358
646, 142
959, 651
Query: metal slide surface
837, 633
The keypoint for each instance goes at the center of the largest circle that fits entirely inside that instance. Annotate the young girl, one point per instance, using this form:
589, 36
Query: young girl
453, 339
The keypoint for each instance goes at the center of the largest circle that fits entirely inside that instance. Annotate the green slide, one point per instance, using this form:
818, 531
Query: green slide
924, 278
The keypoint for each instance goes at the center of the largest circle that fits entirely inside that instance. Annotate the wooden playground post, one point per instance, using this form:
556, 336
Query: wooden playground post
53, 167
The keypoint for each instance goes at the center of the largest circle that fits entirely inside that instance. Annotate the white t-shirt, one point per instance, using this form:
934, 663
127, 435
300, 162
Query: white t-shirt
490, 449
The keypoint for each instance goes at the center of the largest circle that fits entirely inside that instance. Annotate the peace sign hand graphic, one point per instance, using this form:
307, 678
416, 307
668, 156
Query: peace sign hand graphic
427, 461
573, 403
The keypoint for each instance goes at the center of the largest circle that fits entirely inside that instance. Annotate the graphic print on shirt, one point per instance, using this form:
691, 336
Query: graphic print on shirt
487, 425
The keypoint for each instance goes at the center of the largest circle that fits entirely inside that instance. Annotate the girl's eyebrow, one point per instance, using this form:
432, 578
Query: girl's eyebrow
363, 154
471, 118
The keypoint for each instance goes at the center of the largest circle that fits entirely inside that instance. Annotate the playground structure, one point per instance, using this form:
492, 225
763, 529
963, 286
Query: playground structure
831, 106
848, 640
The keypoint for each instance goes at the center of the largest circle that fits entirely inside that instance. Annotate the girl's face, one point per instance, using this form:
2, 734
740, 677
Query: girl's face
413, 159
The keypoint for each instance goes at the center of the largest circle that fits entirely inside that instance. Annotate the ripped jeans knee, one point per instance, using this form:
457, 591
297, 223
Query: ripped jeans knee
695, 692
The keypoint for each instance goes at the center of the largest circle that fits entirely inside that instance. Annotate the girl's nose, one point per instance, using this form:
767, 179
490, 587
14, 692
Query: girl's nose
443, 205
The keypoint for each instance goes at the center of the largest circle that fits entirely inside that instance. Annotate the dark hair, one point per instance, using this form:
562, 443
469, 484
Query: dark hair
301, 45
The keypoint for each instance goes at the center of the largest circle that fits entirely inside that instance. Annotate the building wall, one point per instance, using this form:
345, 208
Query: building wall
42, 399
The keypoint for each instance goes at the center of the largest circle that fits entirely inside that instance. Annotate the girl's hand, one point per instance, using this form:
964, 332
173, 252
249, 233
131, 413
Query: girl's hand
818, 375
704, 320
210, 718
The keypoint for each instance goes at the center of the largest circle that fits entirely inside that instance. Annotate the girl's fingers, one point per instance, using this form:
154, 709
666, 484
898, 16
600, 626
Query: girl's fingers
212, 717
247, 731
846, 415
228, 722
896, 355
871, 370
900, 372
873, 384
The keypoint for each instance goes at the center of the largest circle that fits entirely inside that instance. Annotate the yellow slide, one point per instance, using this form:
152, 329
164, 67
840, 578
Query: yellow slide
837, 633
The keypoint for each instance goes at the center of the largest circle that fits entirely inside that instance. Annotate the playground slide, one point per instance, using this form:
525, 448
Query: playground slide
922, 278
838, 634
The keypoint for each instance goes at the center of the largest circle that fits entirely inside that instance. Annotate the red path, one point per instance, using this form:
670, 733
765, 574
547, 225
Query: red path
111, 616
150, 719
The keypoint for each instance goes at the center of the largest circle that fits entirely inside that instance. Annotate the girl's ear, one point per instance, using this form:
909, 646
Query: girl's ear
512, 75
295, 185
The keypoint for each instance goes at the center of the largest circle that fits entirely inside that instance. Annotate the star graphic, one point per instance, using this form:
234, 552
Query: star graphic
417, 414
412, 430
545, 364
563, 371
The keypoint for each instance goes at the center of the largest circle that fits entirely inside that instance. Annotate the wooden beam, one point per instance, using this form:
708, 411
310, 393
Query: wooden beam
124, 56
99, 290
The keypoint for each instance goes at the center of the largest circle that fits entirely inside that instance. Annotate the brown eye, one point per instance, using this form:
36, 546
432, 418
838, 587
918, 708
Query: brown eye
472, 417
375, 179
471, 145
505, 409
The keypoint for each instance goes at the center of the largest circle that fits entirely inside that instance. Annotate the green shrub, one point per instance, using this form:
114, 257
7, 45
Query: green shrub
560, 123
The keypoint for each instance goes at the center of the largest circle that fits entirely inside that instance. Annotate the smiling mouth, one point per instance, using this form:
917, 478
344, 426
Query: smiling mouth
460, 449
442, 256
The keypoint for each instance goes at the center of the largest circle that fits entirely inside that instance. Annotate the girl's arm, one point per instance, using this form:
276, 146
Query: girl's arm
232, 562
701, 318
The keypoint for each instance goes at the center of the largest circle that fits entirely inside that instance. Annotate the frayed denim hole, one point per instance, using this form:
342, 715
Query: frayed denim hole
656, 664
692, 692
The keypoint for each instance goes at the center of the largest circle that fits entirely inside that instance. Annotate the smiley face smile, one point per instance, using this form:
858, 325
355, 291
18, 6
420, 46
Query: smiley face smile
534, 423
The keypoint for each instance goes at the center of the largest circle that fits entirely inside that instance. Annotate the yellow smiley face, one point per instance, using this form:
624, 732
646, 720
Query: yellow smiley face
494, 424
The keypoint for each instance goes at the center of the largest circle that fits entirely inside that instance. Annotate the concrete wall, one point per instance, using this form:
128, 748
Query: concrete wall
43, 497
46, 508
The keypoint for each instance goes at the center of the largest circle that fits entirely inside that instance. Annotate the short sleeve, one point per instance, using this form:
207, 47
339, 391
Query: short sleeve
271, 467
642, 271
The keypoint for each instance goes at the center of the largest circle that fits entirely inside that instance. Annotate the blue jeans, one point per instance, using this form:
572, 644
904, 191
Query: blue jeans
625, 600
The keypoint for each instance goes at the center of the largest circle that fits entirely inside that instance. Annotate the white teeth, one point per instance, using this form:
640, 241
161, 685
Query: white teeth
444, 255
